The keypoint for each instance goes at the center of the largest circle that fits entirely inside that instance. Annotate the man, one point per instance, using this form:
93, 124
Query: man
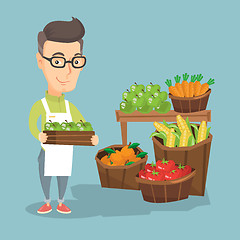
60, 58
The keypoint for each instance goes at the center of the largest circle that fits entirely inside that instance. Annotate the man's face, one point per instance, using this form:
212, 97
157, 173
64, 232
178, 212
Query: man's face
60, 79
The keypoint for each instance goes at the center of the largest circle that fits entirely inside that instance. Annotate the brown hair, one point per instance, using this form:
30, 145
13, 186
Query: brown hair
62, 31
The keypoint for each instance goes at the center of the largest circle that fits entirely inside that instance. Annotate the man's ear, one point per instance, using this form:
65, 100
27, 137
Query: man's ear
39, 60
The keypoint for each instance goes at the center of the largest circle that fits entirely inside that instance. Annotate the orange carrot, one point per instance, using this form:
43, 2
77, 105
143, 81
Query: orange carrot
185, 85
173, 90
205, 86
179, 86
191, 85
197, 85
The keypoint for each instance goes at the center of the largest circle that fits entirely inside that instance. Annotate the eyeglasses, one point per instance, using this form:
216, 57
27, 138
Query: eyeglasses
60, 62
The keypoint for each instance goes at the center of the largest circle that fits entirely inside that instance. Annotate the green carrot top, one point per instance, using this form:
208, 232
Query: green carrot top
210, 81
185, 77
177, 78
193, 78
169, 82
199, 77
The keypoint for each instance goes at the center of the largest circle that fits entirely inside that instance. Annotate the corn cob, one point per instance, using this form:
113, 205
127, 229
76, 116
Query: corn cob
170, 139
160, 127
184, 139
202, 132
182, 124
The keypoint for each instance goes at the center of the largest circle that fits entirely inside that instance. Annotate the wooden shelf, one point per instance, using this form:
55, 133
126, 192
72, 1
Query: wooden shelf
153, 116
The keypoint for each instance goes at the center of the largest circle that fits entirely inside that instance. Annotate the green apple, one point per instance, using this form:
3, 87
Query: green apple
139, 101
156, 94
145, 109
53, 126
57, 126
141, 94
147, 95
47, 126
127, 107
154, 101
79, 124
68, 128
164, 107
163, 96
73, 126
137, 88
153, 88
64, 125
86, 126
128, 96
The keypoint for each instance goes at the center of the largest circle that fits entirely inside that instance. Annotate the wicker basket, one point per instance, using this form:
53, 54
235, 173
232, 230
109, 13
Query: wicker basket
122, 177
190, 104
166, 191
197, 156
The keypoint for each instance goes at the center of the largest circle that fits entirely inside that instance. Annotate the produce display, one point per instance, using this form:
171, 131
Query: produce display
145, 101
164, 170
193, 88
126, 156
181, 134
68, 126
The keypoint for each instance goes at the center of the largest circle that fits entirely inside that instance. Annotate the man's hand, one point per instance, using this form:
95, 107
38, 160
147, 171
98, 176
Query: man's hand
94, 140
42, 137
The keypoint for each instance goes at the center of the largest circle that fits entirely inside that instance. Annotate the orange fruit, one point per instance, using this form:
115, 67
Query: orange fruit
105, 160
126, 152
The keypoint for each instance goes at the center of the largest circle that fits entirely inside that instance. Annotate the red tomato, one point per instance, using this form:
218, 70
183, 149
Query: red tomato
174, 174
165, 165
185, 170
142, 174
150, 167
155, 176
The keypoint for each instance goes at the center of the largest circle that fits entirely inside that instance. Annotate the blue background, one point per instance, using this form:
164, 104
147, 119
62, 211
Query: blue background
125, 41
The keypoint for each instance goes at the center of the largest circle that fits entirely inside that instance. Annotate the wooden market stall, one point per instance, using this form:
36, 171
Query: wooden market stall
153, 116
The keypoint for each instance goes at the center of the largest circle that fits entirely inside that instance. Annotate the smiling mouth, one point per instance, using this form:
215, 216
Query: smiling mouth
62, 82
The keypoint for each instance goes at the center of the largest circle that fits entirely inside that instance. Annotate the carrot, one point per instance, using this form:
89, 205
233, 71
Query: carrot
206, 85
197, 85
179, 86
185, 85
173, 90
191, 85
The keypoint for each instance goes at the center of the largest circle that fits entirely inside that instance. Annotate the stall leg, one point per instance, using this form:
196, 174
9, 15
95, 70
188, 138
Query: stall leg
124, 132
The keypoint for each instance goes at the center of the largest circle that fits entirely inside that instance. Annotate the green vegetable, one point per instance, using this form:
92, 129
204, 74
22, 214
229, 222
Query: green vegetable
188, 124
177, 139
161, 135
165, 123
208, 131
191, 141
175, 127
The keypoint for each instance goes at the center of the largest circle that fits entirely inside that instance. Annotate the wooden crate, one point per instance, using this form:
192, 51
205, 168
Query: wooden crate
79, 138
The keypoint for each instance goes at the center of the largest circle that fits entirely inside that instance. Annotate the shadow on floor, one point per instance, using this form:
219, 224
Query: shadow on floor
92, 200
